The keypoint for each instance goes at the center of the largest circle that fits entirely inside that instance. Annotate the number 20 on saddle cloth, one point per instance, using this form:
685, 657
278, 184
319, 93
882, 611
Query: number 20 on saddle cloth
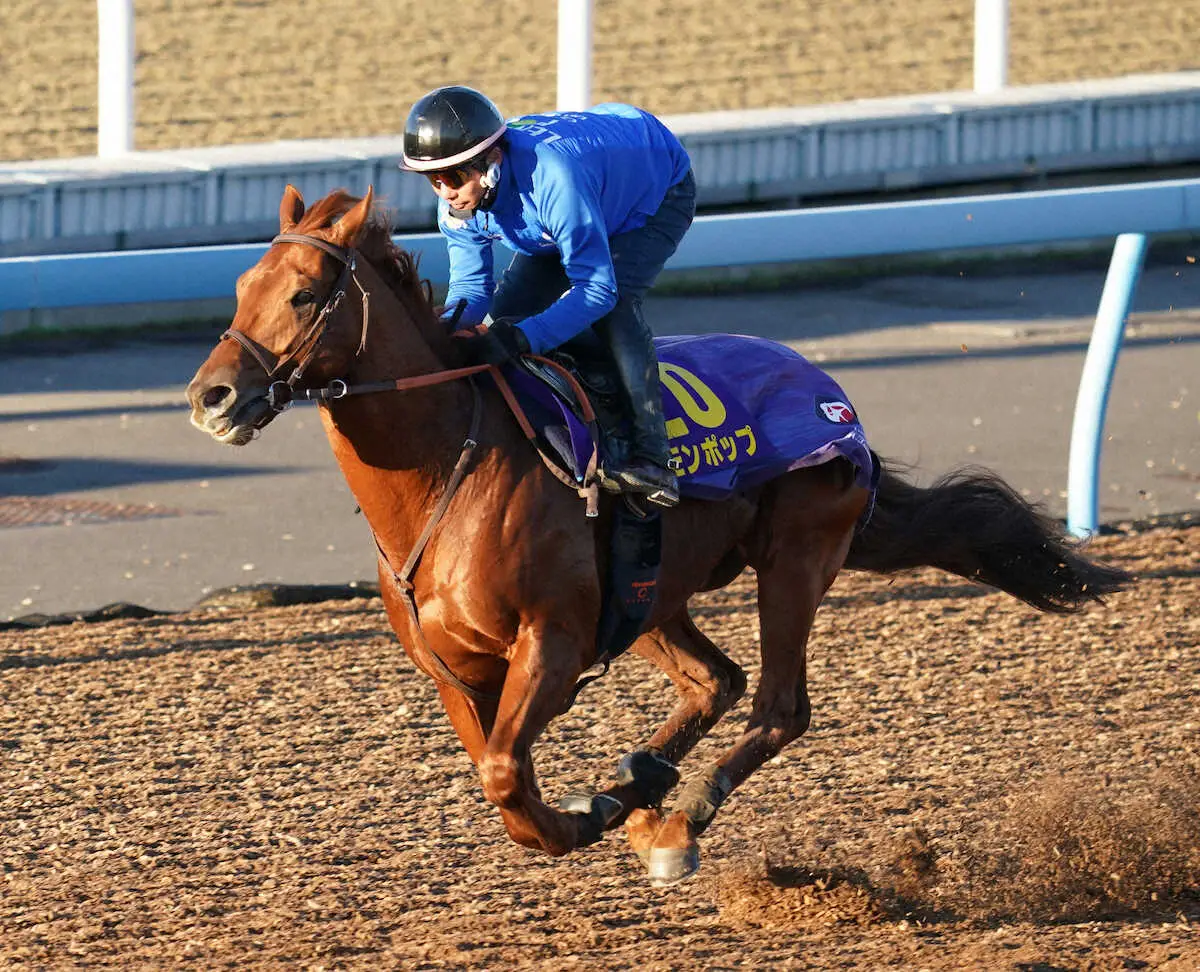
739, 411
743, 410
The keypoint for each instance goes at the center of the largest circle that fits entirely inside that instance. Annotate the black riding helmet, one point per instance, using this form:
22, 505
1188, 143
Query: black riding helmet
449, 127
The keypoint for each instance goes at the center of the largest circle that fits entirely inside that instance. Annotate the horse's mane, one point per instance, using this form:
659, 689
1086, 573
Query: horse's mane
399, 268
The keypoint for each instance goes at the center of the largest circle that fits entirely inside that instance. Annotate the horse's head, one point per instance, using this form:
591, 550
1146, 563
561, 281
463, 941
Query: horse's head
297, 322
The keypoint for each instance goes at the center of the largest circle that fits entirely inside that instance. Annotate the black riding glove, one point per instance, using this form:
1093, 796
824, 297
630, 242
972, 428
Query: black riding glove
502, 343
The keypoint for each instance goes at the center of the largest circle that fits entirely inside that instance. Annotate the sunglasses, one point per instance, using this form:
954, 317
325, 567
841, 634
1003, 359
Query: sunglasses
451, 178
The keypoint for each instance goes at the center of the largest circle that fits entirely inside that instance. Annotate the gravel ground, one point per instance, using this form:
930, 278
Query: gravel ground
279, 788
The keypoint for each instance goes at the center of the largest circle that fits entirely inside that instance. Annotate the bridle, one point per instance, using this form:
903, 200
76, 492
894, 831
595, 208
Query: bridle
282, 393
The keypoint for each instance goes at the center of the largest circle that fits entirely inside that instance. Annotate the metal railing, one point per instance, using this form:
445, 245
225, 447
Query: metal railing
1130, 213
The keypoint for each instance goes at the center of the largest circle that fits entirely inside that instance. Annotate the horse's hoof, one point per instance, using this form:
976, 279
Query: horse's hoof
600, 805
596, 811
670, 865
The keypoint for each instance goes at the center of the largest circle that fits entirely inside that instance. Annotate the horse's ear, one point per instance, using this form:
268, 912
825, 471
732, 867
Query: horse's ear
348, 230
291, 208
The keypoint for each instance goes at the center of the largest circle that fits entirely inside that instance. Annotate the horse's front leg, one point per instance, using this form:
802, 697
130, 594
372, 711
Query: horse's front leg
542, 671
709, 684
473, 721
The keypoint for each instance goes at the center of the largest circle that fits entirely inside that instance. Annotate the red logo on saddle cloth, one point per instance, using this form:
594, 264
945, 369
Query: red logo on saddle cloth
838, 412
642, 591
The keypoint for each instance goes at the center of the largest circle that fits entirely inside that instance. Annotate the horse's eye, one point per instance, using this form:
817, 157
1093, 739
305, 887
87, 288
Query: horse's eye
302, 297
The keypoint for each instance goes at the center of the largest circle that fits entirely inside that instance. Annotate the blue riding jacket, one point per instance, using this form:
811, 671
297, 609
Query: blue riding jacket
568, 182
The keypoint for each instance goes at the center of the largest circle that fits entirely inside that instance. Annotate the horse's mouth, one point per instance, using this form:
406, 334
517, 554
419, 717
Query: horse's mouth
238, 426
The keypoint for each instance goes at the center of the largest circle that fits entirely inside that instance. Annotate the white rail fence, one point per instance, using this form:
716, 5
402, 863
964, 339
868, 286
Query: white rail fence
1130, 212
118, 52
766, 157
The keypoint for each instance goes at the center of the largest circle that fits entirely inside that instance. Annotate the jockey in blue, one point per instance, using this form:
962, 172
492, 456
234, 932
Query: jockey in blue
593, 203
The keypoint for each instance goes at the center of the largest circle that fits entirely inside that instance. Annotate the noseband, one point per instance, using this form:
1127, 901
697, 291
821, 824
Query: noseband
281, 392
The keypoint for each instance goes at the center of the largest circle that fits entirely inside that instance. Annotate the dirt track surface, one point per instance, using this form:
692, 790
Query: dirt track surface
214, 72
280, 789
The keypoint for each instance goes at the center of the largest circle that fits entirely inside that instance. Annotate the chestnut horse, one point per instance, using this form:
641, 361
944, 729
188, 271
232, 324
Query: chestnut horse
499, 595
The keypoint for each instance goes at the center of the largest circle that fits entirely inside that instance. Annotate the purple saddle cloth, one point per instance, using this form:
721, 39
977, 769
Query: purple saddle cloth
740, 411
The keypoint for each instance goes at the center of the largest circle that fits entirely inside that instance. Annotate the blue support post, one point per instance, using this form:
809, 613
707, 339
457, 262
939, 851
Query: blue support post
1083, 469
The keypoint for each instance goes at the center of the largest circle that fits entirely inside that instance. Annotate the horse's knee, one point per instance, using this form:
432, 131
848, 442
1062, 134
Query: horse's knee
502, 779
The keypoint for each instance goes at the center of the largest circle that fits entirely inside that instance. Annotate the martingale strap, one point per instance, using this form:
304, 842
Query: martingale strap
433, 666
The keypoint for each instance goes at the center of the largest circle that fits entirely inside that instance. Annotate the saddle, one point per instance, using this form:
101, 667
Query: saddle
570, 410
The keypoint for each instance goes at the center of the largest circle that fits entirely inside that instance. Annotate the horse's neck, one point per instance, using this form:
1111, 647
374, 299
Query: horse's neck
397, 449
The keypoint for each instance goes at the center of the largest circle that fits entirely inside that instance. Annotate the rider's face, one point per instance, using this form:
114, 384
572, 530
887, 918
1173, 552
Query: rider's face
462, 188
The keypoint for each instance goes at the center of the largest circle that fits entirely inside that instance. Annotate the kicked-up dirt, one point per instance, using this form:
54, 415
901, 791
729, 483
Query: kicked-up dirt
214, 72
983, 787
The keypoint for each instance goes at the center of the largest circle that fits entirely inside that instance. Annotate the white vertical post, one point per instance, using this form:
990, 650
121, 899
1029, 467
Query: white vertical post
574, 55
991, 45
1087, 431
115, 84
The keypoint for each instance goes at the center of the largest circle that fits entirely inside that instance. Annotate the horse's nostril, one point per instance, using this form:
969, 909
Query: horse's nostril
215, 395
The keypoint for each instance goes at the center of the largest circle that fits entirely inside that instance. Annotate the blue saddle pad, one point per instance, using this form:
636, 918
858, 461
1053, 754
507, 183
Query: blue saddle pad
740, 411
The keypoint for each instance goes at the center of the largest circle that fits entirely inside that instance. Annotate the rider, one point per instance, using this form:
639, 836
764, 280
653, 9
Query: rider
593, 203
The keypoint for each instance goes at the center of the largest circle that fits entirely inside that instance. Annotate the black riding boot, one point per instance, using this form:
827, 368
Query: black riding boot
628, 338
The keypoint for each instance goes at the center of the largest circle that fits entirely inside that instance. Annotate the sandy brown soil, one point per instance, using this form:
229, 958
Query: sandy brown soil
213, 72
280, 789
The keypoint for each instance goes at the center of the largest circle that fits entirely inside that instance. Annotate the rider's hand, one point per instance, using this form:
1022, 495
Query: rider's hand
451, 314
502, 343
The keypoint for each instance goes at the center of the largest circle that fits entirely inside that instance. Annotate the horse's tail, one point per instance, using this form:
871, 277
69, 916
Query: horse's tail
974, 524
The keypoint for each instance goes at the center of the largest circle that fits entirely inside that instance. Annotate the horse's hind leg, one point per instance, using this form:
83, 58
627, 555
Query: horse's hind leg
708, 682
709, 685
800, 545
